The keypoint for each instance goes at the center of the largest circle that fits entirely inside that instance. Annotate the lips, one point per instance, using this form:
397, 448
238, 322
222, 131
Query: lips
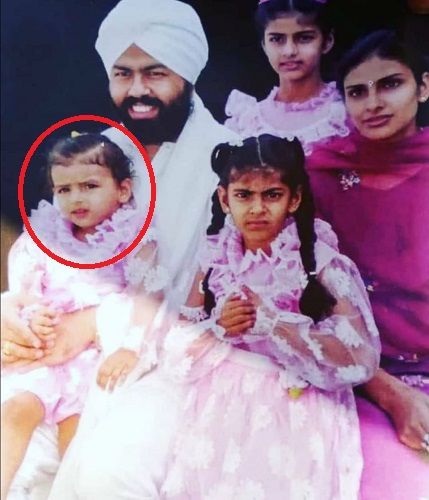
290, 65
256, 224
80, 213
377, 121
140, 111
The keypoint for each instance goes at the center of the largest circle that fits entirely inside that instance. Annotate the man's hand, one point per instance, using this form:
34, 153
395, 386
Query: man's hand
18, 342
237, 315
115, 368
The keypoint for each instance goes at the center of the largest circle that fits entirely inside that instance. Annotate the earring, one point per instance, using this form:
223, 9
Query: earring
227, 210
423, 99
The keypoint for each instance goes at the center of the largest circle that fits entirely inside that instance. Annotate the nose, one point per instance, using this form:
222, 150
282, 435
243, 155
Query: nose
76, 196
257, 206
138, 87
289, 48
373, 101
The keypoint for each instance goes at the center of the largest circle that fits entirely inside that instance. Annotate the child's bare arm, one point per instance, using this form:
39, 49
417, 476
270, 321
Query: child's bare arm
115, 368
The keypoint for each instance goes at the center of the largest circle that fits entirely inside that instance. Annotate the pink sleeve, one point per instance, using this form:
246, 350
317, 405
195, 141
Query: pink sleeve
26, 266
240, 109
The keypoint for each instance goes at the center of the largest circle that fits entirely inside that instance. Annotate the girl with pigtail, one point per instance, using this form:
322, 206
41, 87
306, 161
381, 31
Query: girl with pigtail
275, 332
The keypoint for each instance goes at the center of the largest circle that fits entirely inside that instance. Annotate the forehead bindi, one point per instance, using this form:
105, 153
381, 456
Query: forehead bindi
375, 69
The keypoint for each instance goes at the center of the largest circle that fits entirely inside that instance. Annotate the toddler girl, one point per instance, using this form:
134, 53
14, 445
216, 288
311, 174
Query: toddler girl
93, 219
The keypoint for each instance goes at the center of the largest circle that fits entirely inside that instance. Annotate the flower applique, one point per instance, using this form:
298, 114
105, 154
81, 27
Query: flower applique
348, 179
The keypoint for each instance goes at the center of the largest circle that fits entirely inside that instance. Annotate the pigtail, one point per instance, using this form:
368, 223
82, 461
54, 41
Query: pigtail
219, 159
316, 301
209, 298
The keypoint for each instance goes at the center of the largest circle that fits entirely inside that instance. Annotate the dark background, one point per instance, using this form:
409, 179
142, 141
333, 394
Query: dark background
50, 69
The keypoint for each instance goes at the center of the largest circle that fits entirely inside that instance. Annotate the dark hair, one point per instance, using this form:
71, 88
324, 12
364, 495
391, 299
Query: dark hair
287, 157
272, 9
90, 149
385, 44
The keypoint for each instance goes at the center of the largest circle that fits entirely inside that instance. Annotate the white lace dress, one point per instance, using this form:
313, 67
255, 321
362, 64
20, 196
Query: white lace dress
272, 415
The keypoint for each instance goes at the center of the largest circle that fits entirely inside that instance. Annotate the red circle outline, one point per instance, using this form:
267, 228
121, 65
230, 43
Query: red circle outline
24, 167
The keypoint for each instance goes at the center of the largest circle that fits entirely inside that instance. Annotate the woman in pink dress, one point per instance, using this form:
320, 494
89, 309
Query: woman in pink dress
373, 187
93, 219
269, 412
294, 36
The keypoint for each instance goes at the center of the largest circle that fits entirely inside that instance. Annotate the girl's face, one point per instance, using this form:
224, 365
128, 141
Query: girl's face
259, 203
382, 97
87, 194
294, 47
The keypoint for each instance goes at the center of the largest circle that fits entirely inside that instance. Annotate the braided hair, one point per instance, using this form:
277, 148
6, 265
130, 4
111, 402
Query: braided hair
286, 157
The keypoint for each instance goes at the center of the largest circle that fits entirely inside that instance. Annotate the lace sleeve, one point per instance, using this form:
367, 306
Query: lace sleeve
339, 351
126, 320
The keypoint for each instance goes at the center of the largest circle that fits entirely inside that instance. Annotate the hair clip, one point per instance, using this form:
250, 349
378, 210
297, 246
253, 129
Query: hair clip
258, 147
74, 134
236, 142
312, 273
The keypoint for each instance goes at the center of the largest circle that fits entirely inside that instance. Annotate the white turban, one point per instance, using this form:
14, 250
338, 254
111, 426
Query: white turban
168, 30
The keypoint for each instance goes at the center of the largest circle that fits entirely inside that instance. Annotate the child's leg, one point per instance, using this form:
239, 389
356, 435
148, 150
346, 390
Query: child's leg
20, 416
66, 431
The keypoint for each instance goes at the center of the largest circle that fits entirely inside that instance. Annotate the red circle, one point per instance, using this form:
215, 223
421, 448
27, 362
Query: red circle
23, 171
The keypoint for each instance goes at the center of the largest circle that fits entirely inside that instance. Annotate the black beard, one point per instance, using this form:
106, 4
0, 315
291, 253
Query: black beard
167, 125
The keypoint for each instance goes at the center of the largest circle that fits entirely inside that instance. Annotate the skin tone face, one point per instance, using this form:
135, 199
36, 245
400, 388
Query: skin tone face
382, 97
259, 203
294, 46
145, 80
87, 194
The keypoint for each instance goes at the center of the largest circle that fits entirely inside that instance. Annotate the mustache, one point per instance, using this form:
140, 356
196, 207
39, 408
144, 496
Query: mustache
144, 99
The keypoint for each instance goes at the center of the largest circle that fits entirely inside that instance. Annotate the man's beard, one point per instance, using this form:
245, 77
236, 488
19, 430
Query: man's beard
167, 125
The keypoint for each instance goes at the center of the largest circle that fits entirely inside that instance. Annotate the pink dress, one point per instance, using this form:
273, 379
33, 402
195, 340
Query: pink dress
269, 416
311, 121
62, 389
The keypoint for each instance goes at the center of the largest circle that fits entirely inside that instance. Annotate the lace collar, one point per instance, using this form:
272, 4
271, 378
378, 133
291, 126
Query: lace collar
230, 250
110, 237
328, 92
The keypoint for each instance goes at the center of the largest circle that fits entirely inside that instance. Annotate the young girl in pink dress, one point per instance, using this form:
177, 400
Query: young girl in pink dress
269, 411
294, 35
93, 219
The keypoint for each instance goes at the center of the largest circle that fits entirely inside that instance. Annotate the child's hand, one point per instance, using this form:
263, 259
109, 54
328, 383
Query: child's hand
237, 315
42, 322
115, 368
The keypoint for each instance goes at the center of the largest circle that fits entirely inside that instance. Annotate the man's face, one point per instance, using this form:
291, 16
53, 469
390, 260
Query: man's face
153, 101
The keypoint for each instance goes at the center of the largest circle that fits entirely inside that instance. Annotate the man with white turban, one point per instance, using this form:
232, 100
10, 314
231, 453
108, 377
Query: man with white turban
153, 52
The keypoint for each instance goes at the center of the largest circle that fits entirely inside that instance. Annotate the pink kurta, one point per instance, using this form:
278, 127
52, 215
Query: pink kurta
265, 418
314, 120
62, 389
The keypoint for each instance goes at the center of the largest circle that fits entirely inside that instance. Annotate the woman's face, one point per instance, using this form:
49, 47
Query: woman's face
382, 97
294, 47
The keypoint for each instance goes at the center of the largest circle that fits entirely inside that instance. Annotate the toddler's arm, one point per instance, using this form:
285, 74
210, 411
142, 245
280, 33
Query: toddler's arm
115, 368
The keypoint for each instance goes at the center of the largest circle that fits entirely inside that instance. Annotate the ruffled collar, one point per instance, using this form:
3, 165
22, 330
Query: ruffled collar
230, 243
329, 92
110, 237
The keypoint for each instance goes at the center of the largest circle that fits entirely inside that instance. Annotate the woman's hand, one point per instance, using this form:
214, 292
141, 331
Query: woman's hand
410, 414
237, 315
407, 407
115, 368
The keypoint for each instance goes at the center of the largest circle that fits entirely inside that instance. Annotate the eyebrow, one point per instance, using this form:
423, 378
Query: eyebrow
146, 68
356, 85
269, 190
300, 32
